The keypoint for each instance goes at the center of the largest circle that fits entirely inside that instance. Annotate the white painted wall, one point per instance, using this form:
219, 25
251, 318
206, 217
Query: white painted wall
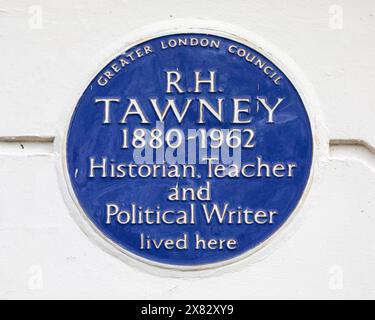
49, 50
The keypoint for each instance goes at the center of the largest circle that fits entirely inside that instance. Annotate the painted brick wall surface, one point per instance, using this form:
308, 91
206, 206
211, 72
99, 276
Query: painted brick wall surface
48, 52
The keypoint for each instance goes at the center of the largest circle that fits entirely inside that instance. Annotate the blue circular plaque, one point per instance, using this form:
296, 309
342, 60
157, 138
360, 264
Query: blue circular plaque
189, 150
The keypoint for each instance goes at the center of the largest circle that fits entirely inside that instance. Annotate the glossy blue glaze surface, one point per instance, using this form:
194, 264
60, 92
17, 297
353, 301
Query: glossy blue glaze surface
289, 139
